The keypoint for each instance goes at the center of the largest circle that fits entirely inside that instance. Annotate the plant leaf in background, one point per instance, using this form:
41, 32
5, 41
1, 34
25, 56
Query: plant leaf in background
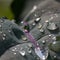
5, 9
17, 7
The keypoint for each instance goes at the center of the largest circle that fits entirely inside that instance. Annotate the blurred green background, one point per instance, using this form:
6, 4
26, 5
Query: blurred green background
5, 9
12, 9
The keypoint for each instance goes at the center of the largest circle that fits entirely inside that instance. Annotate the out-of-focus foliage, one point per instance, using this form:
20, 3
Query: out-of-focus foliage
17, 7
55, 46
58, 38
11, 8
5, 9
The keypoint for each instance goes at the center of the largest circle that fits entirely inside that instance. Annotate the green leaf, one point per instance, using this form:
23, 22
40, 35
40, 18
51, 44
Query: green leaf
5, 9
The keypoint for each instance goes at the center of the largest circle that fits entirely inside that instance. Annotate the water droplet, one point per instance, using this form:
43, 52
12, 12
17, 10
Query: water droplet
34, 8
14, 53
39, 26
55, 56
56, 15
51, 18
37, 20
1, 21
41, 30
4, 34
50, 35
13, 49
33, 24
3, 38
24, 38
35, 15
54, 38
43, 42
9, 31
54, 42
52, 26
29, 50
30, 45
22, 52
22, 22
46, 21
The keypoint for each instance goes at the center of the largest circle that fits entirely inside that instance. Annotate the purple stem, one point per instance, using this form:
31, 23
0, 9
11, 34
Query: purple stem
30, 37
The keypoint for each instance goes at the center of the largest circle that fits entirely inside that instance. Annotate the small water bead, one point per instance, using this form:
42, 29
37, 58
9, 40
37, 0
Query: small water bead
40, 26
43, 42
54, 42
29, 50
9, 31
46, 21
55, 56
15, 53
41, 30
30, 45
4, 34
24, 38
37, 20
3, 38
33, 24
56, 15
2, 21
22, 52
54, 38
52, 26
13, 50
